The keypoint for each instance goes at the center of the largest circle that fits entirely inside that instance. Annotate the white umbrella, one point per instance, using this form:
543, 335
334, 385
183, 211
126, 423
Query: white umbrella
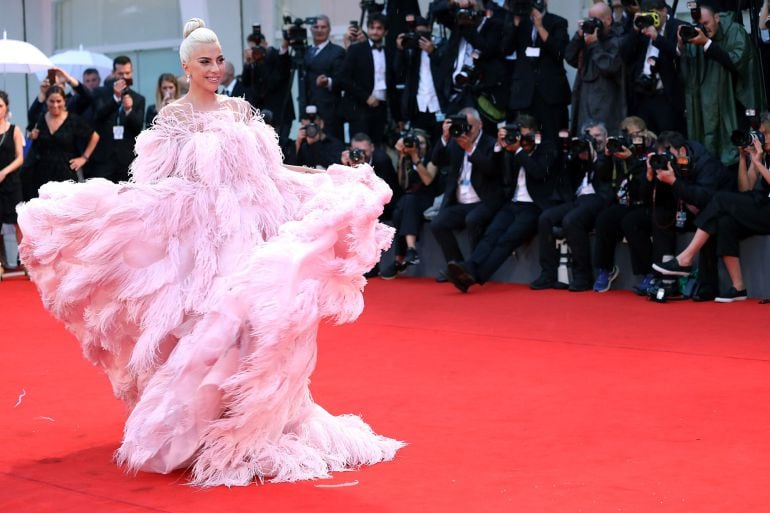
21, 57
75, 62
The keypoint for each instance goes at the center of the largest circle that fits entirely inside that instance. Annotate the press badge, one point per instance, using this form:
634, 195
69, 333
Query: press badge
533, 51
117, 132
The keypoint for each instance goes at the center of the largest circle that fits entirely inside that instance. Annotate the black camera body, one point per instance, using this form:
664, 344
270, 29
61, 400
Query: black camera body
580, 145
524, 7
592, 25
410, 140
689, 31
411, 40
469, 76
459, 125
746, 138
660, 161
357, 156
512, 133
296, 33
647, 19
615, 144
468, 17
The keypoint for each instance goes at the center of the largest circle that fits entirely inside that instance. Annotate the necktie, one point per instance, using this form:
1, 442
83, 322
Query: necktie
313, 51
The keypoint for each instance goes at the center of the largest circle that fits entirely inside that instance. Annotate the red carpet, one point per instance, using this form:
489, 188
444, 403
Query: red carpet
511, 401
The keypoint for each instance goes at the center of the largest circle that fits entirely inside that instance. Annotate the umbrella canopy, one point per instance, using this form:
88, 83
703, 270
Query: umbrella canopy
21, 57
75, 62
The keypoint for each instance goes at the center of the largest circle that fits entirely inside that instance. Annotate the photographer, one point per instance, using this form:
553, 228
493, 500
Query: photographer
418, 61
720, 71
363, 151
323, 63
416, 193
118, 119
314, 147
683, 176
733, 216
266, 78
595, 51
629, 215
471, 71
623, 13
474, 185
589, 173
656, 91
530, 168
535, 44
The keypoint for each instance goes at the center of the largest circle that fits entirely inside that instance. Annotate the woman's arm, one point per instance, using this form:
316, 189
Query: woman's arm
18, 142
302, 169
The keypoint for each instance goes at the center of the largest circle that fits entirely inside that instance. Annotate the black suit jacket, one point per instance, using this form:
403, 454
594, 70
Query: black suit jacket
357, 76
546, 73
486, 171
112, 158
407, 65
326, 62
269, 83
540, 169
635, 50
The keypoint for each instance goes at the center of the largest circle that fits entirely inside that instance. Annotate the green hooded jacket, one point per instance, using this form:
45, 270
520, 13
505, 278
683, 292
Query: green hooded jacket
713, 94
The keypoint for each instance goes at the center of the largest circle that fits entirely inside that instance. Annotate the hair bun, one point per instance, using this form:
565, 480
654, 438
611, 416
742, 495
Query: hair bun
191, 25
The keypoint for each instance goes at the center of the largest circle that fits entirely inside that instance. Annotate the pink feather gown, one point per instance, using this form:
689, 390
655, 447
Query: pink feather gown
198, 288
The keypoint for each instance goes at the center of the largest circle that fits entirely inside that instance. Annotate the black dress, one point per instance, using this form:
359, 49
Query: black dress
48, 157
10, 188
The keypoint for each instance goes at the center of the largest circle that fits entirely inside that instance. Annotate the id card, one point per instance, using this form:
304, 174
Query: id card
533, 52
117, 132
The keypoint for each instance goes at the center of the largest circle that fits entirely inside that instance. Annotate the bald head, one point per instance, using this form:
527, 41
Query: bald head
603, 12
229, 73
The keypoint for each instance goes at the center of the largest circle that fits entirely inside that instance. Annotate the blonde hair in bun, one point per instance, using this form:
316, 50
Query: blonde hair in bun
195, 33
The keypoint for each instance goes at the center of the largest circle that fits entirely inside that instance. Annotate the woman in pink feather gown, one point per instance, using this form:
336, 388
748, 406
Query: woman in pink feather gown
198, 287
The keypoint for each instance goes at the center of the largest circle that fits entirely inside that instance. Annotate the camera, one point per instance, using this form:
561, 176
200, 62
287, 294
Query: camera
357, 156
580, 145
312, 129
512, 133
410, 140
459, 125
591, 25
660, 161
694, 7
468, 76
371, 6
689, 31
468, 17
616, 144
296, 32
524, 7
647, 19
746, 138
258, 51
411, 40
52, 77
564, 140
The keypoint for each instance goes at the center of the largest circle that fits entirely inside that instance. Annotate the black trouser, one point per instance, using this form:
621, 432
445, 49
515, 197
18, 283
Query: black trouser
408, 217
659, 113
576, 219
371, 121
474, 217
427, 121
664, 234
512, 226
631, 221
734, 216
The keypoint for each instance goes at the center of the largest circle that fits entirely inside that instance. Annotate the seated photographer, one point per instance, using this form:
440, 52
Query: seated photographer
529, 168
474, 184
683, 176
721, 77
733, 216
363, 151
314, 147
629, 215
418, 61
656, 90
588, 171
417, 190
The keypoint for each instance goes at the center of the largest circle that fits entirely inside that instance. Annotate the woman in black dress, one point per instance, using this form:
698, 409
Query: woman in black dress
11, 158
58, 138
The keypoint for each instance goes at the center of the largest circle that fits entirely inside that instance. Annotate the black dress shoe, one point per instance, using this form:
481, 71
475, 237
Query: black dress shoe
459, 277
579, 286
441, 278
672, 268
543, 282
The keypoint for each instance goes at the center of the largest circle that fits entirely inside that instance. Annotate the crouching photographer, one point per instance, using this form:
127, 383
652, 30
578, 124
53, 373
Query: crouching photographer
733, 216
416, 186
530, 165
683, 177
588, 175
314, 147
629, 215
363, 151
